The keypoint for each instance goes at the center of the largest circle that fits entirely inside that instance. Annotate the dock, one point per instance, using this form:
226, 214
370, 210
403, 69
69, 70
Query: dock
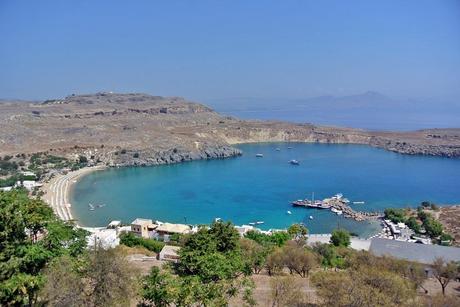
339, 205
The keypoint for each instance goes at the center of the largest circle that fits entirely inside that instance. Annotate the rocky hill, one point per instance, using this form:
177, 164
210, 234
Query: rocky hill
139, 129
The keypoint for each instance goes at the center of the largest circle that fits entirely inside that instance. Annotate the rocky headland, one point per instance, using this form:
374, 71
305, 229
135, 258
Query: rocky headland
139, 129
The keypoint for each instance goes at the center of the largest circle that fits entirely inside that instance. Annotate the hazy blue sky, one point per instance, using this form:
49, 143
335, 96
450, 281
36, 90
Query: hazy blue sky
220, 49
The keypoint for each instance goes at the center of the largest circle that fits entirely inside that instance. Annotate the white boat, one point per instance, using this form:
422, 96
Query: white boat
289, 147
310, 217
294, 162
358, 203
289, 212
259, 155
336, 211
259, 222
252, 224
338, 196
91, 207
217, 219
278, 149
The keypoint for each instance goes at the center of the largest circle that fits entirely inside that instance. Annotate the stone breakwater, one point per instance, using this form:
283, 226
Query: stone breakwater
171, 156
348, 212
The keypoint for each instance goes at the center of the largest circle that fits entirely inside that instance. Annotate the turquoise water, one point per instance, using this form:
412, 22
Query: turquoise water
247, 188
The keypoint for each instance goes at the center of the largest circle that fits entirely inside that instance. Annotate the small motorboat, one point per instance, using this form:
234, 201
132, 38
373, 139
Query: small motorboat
289, 147
336, 211
288, 212
277, 149
259, 155
217, 219
252, 224
358, 203
259, 222
294, 162
310, 217
91, 207
101, 205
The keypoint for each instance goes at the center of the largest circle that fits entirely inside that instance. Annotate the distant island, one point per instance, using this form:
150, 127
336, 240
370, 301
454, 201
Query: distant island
140, 129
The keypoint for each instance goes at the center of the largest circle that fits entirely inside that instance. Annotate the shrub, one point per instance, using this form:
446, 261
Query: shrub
131, 240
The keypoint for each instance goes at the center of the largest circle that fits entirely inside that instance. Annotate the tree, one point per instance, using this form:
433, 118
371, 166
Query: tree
158, 289
366, 286
340, 237
275, 262
99, 278
298, 259
433, 228
444, 272
64, 286
298, 232
23, 255
278, 238
286, 291
253, 254
412, 224
326, 251
210, 271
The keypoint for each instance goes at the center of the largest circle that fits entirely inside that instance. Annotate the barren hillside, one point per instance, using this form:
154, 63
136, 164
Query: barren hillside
141, 129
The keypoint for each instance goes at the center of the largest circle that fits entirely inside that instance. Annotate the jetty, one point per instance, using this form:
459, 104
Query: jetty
339, 205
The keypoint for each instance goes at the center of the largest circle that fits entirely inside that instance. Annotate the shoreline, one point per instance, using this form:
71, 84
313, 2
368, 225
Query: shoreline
57, 191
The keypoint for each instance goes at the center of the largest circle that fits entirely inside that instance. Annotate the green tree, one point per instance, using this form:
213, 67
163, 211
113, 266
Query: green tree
30, 237
298, 232
340, 237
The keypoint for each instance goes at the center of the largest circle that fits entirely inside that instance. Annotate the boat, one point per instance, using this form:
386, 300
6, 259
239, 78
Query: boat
91, 207
336, 211
278, 149
338, 196
310, 217
101, 205
260, 222
259, 155
289, 147
358, 203
288, 212
252, 224
294, 162
217, 219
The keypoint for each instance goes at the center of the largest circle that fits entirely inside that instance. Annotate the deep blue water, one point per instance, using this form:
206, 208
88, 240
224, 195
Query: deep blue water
247, 188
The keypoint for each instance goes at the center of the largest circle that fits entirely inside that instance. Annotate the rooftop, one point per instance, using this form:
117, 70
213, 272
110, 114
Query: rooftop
140, 221
422, 253
173, 228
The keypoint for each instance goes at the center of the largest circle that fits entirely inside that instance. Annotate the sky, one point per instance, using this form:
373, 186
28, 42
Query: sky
206, 50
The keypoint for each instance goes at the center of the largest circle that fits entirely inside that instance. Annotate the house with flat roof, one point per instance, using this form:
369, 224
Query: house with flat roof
423, 253
168, 228
142, 227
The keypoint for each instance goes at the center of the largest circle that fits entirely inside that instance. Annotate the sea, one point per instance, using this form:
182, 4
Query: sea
248, 188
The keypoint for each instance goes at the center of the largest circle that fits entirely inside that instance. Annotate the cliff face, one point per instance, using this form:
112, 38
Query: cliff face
139, 129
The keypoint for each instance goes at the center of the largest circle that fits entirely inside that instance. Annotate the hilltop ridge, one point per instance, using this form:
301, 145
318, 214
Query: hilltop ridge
152, 130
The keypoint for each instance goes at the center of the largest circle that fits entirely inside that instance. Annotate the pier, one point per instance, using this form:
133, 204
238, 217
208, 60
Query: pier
339, 205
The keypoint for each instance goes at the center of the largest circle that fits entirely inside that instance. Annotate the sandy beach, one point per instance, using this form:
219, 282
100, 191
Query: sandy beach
58, 188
